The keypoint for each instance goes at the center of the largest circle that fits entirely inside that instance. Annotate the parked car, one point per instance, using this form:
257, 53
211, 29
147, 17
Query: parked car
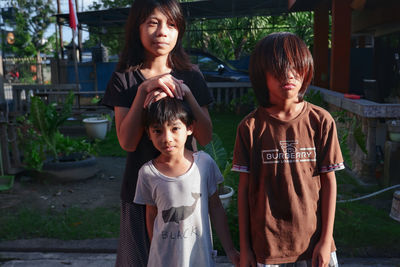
216, 70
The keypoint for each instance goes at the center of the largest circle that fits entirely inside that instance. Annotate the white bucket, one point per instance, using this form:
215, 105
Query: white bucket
96, 127
395, 211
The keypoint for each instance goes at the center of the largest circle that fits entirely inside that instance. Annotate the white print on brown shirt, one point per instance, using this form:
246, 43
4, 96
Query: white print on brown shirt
288, 153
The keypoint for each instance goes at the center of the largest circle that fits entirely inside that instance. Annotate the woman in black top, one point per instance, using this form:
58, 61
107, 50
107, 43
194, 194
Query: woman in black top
152, 65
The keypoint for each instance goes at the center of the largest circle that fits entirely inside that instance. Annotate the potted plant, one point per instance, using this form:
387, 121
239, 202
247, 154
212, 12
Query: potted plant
217, 151
47, 152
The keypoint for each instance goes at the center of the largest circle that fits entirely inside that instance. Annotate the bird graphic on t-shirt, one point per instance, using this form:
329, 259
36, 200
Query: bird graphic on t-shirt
176, 214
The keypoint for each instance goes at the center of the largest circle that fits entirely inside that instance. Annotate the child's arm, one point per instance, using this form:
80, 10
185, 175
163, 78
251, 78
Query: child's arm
220, 224
247, 257
322, 250
151, 213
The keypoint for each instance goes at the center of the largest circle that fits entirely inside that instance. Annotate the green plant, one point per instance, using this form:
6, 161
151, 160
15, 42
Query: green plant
217, 151
344, 123
315, 97
40, 137
96, 101
247, 101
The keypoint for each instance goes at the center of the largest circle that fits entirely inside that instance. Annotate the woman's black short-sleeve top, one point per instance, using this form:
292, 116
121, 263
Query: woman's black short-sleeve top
121, 91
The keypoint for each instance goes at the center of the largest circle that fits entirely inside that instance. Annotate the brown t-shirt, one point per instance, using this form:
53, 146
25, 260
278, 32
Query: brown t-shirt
284, 160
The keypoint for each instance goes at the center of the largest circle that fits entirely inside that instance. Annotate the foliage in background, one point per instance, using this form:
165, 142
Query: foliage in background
40, 136
227, 38
32, 19
346, 126
106, 4
217, 151
31, 22
233, 38
247, 101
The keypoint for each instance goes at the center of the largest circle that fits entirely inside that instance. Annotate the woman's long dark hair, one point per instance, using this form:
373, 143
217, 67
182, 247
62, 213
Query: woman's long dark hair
132, 55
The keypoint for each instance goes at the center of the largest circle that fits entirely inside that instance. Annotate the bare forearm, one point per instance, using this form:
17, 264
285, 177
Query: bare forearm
220, 224
151, 213
247, 257
243, 212
129, 124
328, 205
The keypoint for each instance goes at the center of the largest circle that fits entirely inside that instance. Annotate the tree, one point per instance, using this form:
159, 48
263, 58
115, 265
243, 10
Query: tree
31, 21
227, 38
232, 38
106, 4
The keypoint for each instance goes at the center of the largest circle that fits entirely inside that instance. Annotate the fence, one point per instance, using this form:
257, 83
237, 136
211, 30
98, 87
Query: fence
25, 71
227, 94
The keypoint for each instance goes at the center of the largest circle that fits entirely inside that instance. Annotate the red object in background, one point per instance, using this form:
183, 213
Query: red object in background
352, 96
73, 19
15, 74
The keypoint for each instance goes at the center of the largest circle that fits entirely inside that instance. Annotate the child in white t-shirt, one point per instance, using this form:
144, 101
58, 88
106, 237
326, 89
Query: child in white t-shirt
179, 188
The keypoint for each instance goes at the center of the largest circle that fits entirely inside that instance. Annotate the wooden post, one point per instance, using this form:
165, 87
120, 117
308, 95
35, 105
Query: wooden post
2, 94
341, 37
60, 31
4, 145
14, 146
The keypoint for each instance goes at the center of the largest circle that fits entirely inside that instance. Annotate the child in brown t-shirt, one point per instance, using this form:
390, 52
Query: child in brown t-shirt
286, 152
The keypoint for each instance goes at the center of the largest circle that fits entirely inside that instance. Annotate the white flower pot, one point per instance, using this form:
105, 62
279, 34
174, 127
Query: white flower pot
96, 127
226, 197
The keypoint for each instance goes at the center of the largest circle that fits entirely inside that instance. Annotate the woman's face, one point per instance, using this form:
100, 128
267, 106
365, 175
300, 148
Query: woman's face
158, 35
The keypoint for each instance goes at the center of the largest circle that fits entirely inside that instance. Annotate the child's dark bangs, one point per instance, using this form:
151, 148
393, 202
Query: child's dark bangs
288, 54
298, 56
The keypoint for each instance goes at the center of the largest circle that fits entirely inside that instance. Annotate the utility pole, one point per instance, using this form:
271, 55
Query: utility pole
2, 95
60, 30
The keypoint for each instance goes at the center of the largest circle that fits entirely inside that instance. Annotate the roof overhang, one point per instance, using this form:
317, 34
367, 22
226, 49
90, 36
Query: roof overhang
204, 9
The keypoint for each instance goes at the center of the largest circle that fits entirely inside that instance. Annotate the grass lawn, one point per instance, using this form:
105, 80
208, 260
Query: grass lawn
361, 228
73, 224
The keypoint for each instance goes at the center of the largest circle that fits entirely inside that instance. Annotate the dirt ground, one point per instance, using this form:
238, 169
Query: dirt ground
101, 190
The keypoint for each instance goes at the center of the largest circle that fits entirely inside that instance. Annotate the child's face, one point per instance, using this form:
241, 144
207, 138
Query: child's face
158, 34
170, 138
284, 90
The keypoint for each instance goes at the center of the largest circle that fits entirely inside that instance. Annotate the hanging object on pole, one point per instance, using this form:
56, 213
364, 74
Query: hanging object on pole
73, 22
73, 18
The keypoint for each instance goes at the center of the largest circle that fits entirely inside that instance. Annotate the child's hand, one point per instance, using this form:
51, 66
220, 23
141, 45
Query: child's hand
247, 258
234, 257
322, 254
